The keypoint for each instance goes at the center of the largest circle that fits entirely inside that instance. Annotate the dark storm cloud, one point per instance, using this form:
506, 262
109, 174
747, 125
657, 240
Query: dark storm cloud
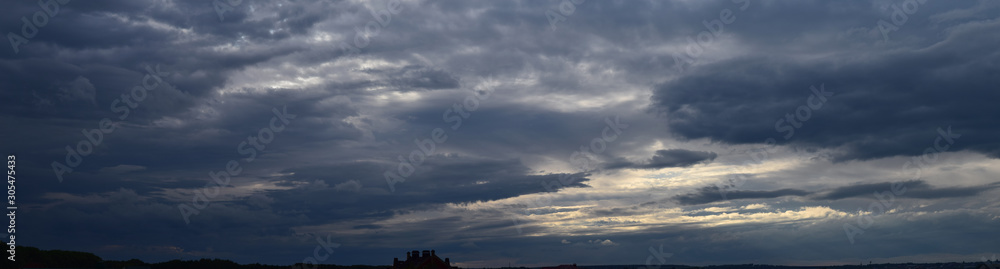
711, 194
665, 158
356, 114
938, 193
131, 41
887, 99
439, 179
417, 77
917, 189
909, 189
490, 129
367, 226
614, 212
868, 189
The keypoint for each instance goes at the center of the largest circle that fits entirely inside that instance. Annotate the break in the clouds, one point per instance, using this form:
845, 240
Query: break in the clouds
744, 131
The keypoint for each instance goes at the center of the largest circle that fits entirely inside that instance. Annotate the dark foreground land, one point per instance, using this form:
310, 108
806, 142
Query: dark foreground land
29, 257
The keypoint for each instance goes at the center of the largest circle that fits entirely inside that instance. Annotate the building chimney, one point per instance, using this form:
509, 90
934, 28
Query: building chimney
407, 255
432, 253
427, 253
447, 261
395, 261
416, 254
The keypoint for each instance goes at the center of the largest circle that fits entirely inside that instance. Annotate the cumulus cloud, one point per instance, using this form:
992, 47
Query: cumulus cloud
605, 242
350, 185
79, 88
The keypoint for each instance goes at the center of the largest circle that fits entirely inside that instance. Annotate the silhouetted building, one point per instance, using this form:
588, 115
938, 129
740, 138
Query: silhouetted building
562, 266
428, 260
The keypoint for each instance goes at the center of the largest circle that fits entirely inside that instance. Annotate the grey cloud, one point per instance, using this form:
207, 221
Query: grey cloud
909, 189
867, 189
746, 99
79, 88
915, 189
350, 185
710, 194
122, 168
665, 158
416, 77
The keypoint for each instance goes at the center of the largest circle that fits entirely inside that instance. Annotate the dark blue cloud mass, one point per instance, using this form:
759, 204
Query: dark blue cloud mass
528, 133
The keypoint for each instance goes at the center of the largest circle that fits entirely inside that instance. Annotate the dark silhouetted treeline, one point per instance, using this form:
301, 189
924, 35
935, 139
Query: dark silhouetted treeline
30, 257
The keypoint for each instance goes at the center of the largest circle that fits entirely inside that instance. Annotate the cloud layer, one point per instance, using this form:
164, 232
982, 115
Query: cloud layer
755, 129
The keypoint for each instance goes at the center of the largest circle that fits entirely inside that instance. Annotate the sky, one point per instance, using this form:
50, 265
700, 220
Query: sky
529, 133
